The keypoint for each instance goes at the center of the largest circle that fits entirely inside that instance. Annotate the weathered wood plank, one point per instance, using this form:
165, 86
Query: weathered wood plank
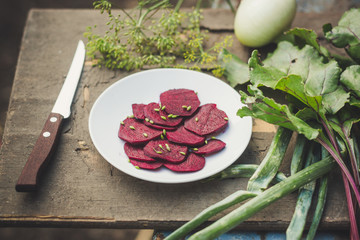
80, 189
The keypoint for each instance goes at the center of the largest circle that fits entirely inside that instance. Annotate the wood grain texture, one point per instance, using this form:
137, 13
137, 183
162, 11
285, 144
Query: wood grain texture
79, 188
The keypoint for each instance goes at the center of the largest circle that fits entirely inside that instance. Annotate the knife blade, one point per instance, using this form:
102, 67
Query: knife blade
45, 144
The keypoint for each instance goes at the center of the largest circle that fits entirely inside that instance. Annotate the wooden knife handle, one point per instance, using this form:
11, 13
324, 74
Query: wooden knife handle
40, 154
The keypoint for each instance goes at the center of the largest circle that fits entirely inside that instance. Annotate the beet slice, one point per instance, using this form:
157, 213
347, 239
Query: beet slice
136, 153
153, 112
135, 132
138, 110
185, 137
166, 150
212, 146
146, 165
182, 102
157, 126
192, 163
209, 119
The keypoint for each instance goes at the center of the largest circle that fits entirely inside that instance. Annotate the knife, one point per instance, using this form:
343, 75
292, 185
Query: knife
45, 144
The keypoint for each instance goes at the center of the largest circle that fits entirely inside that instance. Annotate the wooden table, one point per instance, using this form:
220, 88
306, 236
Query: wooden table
79, 188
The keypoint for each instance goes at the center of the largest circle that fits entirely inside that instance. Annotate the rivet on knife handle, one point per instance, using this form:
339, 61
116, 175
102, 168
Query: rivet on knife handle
40, 154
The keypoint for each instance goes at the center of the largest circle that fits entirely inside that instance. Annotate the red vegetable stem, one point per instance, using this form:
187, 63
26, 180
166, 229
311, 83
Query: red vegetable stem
354, 232
352, 158
347, 178
330, 134
343, 168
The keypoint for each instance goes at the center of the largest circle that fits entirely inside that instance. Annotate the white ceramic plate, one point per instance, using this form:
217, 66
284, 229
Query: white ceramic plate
114, 105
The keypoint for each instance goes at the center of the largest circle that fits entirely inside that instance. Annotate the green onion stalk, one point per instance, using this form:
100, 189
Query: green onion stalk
304, 201
264, 199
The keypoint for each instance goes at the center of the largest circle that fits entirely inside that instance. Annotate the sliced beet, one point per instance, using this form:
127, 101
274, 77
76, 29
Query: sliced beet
157, 126
136, 153
138, 110
146, 165
185, 137
182, 102
192, 163
166, 150
155, 114
135, 132
161, 134
212, 146
208, 120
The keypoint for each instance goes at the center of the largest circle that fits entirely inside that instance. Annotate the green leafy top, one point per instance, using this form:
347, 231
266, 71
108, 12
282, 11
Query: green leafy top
304, 72
347, 34
310, 81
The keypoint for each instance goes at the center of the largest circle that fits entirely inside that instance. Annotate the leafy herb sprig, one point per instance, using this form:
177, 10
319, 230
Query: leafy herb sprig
153, 34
